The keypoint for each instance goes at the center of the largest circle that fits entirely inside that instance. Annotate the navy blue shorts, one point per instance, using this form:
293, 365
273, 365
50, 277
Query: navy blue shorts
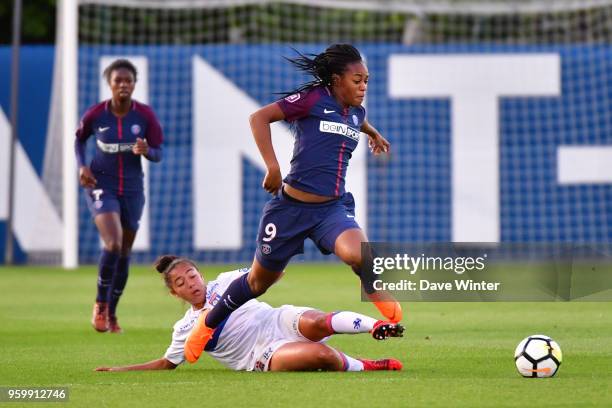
286, 224
129, 207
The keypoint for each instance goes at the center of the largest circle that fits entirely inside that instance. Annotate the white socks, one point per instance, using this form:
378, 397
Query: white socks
350, 322
350, 363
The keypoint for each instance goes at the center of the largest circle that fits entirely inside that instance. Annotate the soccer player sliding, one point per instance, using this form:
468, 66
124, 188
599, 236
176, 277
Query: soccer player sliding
310, 202
258, 337
125, 130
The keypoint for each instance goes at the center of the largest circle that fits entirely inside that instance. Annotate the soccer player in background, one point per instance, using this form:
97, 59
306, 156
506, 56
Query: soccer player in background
327, 117
258, 337
125, 130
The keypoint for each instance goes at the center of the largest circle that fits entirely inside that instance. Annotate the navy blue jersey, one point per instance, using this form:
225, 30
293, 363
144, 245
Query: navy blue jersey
114, 165
326, 134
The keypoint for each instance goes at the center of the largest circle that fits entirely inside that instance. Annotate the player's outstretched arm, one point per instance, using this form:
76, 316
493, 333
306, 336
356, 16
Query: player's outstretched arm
377, 143
260, 127
160, 364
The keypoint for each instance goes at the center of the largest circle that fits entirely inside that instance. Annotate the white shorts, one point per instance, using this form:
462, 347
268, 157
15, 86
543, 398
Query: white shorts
283, 328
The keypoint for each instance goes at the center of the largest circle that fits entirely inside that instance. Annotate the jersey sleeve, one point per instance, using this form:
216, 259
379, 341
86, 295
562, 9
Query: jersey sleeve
363, 112
176, 350
83, 132
298, 105
226, 278
155, 135
85, 128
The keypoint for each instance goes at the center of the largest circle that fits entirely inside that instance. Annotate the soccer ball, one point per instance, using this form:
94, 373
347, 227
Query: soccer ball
537, 356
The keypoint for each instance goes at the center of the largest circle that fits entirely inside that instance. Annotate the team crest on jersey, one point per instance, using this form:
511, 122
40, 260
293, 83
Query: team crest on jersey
266, 249
293, 98
355, 120
135, 129
214, 298
211, 293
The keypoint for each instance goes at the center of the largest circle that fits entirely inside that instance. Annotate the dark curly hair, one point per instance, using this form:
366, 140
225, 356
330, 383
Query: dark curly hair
119, 64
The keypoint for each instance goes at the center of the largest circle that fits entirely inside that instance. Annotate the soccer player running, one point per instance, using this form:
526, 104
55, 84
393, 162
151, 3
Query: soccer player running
258, 337
327, 117
124, 130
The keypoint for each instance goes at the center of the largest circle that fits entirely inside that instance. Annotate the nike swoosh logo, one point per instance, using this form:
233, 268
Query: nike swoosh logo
328, 111
103, 129
350, 216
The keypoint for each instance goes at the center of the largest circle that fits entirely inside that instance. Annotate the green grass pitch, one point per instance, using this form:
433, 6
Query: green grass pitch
454, 354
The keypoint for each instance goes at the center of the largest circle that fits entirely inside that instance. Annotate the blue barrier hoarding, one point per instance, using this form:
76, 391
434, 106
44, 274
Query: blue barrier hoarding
412, 195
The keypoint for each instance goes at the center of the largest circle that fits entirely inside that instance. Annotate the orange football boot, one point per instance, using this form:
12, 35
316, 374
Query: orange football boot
194, 346
387, 306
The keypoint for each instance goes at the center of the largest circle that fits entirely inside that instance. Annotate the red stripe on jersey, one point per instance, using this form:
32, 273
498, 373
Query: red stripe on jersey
339, 174
120, 156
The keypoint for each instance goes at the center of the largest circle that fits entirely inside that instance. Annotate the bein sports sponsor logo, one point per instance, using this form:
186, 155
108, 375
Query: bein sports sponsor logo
339, 129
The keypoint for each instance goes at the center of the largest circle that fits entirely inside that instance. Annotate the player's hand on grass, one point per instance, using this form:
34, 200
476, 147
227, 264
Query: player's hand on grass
141, 147
273, 180
378, 144
120, 368
86, 177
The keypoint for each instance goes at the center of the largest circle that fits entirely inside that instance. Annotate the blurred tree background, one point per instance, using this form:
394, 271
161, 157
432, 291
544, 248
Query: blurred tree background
277, 22
38, 21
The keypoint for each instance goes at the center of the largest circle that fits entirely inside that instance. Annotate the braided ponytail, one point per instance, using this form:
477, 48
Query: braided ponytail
332, 61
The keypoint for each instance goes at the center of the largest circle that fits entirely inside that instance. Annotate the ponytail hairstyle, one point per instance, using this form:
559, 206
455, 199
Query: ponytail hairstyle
166, 263
324, 65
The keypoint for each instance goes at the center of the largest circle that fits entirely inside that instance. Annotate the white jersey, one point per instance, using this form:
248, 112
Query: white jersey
247, 339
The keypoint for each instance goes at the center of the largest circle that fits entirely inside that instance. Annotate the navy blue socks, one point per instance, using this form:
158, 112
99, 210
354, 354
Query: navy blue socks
366, 283
236, 295
106, 269
119, 280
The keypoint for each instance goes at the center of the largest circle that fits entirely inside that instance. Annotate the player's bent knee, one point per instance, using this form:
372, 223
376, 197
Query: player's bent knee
113, 246
320, 322
260, 279
352, 259
327, 359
